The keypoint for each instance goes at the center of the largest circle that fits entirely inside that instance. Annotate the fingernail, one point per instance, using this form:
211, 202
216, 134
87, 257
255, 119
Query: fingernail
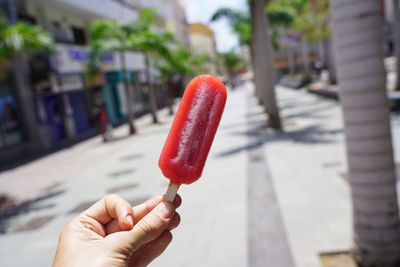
165, 210
129, 219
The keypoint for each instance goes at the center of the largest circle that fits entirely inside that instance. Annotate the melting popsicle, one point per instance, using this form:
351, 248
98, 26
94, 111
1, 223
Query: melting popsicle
191, 135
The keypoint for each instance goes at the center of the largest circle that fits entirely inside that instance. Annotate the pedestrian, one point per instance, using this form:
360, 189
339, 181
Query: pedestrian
105, 127
113, 233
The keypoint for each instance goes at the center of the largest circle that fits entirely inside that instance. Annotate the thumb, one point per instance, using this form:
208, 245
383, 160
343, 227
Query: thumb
151, 226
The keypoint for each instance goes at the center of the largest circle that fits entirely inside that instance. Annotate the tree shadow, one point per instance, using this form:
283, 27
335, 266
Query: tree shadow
313, 134
10, 209
313, 112
229, 126
239, 149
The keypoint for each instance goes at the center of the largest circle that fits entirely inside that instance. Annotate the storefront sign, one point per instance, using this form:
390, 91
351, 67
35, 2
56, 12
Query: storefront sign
73, 59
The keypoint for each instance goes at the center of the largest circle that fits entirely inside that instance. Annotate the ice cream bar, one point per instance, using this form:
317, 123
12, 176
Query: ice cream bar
191, 135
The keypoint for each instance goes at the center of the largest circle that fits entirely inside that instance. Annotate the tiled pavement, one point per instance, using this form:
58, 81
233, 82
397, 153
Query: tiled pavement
213, 213
300, 184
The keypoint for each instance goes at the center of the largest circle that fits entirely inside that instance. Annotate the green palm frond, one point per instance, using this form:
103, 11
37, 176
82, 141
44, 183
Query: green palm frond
108, 36
147, 18
150, 42
239, 21
280, 15
105, 29
183, 62
21, 37
231, 14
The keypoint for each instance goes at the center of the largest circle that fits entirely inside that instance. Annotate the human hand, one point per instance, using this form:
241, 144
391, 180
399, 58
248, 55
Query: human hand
112, 233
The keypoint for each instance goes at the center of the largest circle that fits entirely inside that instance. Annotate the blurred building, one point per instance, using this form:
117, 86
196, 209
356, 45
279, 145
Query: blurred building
65, 108
171, 17
202, 41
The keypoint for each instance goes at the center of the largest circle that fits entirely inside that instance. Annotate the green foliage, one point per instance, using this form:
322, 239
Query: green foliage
109, 36
232, 61
182, 62
147, 18
240, 23
275, 34
311, 20
279, 15
22, 37
148, 41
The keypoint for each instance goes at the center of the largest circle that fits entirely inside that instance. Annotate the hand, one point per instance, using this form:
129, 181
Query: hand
112, 233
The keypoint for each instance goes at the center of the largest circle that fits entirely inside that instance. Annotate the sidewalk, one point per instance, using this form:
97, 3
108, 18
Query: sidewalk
307, 164
308, 167
213, 212
265, 199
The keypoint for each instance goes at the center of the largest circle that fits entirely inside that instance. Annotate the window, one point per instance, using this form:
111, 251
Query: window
79, 36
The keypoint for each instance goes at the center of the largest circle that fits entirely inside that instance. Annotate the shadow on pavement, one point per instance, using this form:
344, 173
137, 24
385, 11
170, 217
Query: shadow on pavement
118, 138
121, 173
131, 157
313, 134
9, 209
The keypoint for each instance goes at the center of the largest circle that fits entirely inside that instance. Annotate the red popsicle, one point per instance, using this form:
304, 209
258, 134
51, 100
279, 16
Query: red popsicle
191, 135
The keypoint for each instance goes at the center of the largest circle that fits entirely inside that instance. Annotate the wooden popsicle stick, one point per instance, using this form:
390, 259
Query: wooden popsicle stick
171, 192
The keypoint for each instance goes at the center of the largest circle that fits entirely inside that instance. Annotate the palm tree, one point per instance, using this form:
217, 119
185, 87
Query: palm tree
358, 43
300, 23
16, 41
396, 29
180, 64
153, 45
278, 15
109, 36
262, 62
241, 24
233, 63
20, 38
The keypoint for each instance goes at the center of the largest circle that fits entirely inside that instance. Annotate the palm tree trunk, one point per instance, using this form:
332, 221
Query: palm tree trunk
153, 101
129, 114
326, 58
23, 90
362, 80
321, 52
257, 91
305, 54
291, 61
263, 69
396, 29
331, 63
170, 96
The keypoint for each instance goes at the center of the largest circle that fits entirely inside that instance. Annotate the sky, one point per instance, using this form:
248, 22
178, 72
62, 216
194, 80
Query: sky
202, 10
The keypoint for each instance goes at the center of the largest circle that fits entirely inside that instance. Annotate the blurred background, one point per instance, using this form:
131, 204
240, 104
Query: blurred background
302, 171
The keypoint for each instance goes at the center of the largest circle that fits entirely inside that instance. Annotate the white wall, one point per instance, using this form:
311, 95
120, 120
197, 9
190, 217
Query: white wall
103, 8
202, 44
171, 12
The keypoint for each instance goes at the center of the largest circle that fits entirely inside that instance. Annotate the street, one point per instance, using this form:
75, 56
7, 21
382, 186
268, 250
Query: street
282, 193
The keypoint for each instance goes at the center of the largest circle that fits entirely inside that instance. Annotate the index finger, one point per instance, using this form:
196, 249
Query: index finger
112, 207
143, 209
